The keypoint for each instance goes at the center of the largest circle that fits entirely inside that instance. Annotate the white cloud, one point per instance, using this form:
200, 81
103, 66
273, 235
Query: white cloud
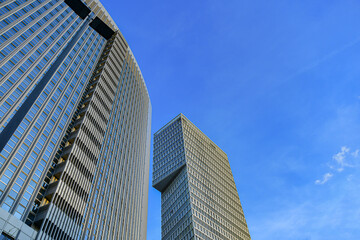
350, 178
325, 178
312, 215
344, 158
355, 154
340, 158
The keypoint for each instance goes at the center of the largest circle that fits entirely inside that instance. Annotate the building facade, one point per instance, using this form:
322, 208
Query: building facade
199, 199
75, 118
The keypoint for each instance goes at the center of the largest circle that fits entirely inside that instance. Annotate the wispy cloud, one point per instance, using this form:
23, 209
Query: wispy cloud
316, 218
350, 178
355, 154
341, 160
327, 56
325, 178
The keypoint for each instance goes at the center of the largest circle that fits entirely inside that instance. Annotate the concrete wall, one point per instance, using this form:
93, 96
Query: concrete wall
14, 227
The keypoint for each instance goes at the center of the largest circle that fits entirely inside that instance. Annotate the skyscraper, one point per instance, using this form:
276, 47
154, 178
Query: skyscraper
199, 199
75, 120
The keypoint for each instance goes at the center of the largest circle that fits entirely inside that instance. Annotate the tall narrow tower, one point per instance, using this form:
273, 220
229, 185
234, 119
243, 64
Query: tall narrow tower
75, 118
199, 199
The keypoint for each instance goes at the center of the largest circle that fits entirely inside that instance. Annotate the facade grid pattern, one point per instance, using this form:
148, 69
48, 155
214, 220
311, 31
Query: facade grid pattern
195, 181
75, 118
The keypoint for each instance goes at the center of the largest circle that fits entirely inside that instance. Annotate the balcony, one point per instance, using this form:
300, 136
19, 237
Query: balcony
78, 122
83, 111
72, 136
51, 189
40, 215
87, 100
93, 84
66, 152
90, 92
59, 169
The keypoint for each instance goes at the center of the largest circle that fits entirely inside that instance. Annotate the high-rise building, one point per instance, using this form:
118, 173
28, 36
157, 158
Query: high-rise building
199, 199
75, 119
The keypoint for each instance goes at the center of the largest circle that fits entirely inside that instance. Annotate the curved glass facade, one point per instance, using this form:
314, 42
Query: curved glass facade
75, 120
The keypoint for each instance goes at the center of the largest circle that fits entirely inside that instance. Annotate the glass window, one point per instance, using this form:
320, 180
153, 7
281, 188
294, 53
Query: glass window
5, 236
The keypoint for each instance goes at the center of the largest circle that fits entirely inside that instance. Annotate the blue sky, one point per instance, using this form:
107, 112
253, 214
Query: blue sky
276, 85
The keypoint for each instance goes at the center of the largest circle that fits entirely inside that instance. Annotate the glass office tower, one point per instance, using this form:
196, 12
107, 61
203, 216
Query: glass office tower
75, 119
199, 199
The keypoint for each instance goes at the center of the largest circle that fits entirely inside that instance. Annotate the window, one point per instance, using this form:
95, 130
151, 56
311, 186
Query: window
4, 236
